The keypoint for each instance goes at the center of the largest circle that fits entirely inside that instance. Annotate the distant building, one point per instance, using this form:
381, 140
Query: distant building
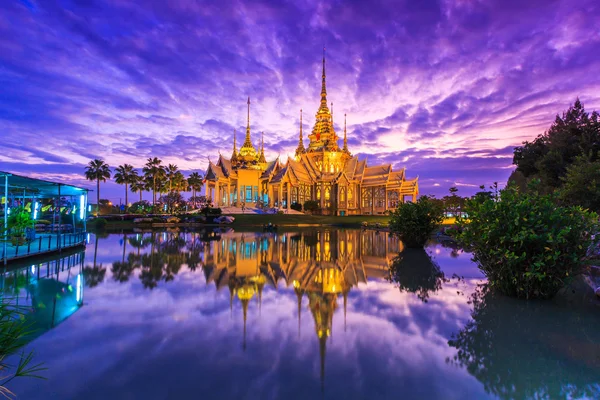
322, 171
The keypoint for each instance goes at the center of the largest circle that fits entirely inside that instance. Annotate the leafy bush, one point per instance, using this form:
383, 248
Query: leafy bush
211, 211
296, 206
525, 244
18, 221
140, 207
415, 222
312, 206
100, 223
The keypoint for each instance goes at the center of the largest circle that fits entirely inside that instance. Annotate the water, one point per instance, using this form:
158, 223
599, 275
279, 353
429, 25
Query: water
308, 314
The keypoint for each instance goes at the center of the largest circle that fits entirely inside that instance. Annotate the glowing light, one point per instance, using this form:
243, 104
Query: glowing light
78, 292
8, 211
81, 206
87, 239
35, 210
33, 269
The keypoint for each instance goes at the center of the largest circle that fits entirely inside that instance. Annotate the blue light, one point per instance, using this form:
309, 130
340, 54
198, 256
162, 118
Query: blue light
33, 269
8, 211
35, 210
78, 289
81, 206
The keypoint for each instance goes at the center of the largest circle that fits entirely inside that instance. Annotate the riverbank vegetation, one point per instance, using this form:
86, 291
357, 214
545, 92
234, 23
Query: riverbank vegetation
526, 244
415, 222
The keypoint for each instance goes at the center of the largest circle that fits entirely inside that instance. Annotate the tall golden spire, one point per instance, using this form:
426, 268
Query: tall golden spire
248, 152
345, 137
300, 149
323, 85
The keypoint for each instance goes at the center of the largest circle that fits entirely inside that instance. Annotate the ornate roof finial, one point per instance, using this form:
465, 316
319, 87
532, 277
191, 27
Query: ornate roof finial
247, 151
345, 137
248, 113
300, 149
261, 157
323, 86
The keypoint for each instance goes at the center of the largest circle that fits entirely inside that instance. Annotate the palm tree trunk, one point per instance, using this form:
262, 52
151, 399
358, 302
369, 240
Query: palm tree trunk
97, 197
95, 248
126, 196
141, 192
153, 190
124, 247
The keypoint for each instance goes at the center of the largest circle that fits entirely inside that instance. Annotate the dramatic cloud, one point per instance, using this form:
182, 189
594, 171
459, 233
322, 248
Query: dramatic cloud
444, 87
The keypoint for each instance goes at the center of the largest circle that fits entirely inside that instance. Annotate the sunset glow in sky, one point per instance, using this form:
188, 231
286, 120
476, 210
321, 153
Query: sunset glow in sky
446, 88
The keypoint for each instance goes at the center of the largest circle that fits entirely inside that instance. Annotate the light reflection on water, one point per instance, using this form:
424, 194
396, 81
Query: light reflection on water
314, 313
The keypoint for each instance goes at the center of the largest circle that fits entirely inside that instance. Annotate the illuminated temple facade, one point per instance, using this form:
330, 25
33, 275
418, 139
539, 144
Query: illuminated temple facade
321, 171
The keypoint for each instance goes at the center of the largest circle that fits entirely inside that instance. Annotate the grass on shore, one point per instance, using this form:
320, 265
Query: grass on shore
349, 221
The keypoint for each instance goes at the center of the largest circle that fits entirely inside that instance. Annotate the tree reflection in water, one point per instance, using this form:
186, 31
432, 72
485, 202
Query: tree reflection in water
414, 271
523, 350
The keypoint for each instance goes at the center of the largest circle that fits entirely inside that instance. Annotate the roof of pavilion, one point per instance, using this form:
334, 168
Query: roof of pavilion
40, 187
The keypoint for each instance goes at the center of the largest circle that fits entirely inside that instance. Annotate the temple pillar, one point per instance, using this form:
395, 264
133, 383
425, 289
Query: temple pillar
218, 194
228, 194
322, 199
387, 206
279, 194
270, 195
414, 197
287, 200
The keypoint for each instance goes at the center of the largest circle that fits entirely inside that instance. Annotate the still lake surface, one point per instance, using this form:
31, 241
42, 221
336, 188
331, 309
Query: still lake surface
320, 313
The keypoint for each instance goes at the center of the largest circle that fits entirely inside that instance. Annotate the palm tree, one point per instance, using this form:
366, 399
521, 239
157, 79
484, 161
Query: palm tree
195, 183
171, 173
153, 171
125, 175
138, 185
97, 170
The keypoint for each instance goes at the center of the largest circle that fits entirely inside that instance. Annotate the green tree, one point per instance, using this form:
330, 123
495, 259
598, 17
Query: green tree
125, 175
171, 171
195, 184
415, 222
97, 170
581, 184
138, 185
547, 157
526, 245
154, 173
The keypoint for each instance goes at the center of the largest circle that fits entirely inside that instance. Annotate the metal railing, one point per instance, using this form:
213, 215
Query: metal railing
42, 244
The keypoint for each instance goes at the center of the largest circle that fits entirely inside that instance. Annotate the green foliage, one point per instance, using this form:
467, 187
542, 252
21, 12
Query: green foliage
100, 223
548, 157
582, 184
525, 244
13, 331
415, 222
140, 207
19, 220
312, 206
296, 206
211, 210
414, 271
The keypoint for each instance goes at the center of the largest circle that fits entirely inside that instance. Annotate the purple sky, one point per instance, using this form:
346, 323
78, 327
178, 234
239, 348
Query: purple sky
445, 88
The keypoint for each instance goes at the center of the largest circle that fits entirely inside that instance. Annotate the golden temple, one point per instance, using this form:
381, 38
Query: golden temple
340, 182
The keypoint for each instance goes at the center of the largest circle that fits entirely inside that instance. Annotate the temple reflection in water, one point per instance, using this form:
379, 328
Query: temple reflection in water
321, 265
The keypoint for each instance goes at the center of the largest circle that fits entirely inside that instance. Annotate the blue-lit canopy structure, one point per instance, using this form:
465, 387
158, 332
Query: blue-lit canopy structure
57, 206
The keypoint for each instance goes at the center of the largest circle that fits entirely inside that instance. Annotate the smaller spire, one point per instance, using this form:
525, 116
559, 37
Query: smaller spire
300, 149
345, 137
234, 154
261, 157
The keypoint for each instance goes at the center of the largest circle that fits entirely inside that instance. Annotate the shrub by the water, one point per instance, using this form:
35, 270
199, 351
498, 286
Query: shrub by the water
525, 243
100, 223
296, 206
312, 206
415, 222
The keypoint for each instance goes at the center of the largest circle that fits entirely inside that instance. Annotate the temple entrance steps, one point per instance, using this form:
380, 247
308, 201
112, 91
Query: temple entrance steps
251, 210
